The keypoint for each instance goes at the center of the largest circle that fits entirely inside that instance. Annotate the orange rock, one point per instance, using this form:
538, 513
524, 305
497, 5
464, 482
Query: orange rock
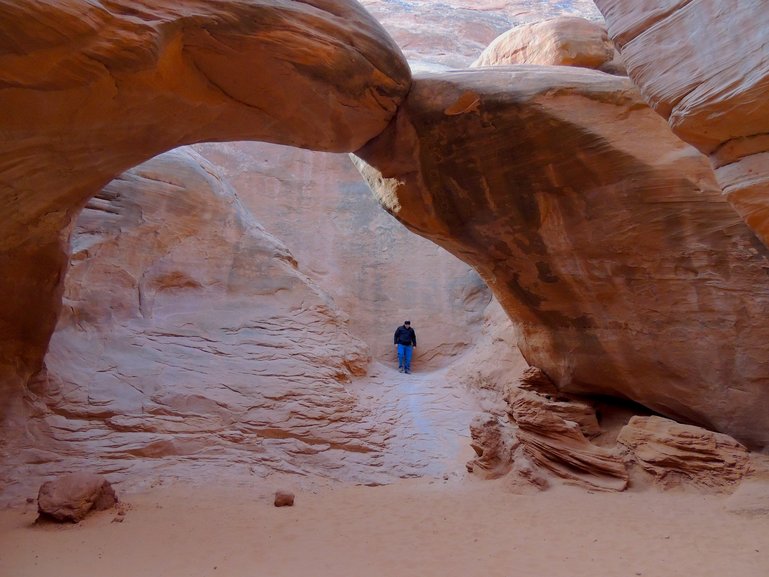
562, 41
71, 497
88, 91
709, 82
604, 237
675, 453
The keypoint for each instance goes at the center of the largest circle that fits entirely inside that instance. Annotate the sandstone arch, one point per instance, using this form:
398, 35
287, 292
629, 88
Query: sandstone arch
88, 90
604, 236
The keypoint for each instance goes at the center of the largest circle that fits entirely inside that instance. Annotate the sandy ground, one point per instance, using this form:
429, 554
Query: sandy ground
456, 527
445, 524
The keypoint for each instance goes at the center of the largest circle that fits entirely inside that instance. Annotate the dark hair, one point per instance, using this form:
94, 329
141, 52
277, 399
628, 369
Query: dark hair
406, 322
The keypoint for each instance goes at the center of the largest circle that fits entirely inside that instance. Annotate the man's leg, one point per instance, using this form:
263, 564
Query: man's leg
407, 360
401, 355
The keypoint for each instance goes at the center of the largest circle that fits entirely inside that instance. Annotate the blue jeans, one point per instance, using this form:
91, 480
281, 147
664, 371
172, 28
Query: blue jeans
404, 357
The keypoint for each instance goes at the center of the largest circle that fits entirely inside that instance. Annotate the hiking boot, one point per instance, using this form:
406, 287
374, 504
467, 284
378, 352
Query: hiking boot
408, 372
400, 369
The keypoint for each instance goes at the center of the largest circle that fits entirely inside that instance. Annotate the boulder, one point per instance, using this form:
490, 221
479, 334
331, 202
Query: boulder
704, 67
561, 41
674, 453
71, 497
284, 498
604, 237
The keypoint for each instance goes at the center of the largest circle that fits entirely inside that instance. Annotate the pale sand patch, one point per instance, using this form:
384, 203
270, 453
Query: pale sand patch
418, 528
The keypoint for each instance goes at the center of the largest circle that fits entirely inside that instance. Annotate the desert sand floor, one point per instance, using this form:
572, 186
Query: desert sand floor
416, 528
446, 524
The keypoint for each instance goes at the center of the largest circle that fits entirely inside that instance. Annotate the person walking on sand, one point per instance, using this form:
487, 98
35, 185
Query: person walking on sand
405, 340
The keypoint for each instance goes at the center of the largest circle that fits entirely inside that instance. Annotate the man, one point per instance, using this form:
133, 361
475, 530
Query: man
406, 340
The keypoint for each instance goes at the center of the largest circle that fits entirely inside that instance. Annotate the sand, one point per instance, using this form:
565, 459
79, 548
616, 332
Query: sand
459, 527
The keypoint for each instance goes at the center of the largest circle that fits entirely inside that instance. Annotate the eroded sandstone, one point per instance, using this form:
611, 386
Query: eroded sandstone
675, 454
88, 90
704, 66
603, 236
562, 41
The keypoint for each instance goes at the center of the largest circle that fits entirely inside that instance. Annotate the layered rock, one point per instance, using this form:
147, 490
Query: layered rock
676, 454
189, 336
88, 90
378, 272
562, 41
559, 446
603, 236
704, 66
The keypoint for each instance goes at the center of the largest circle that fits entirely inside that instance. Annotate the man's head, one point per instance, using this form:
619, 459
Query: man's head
407, 324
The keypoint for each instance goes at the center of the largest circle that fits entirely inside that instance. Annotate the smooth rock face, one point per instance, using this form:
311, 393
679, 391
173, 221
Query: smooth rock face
378, 272
89, 90
71, 497
602, 235
674, 453
437, 36
704, 66
562, 41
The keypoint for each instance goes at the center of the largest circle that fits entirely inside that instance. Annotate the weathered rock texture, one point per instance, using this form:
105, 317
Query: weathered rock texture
678, 454
604, 236
377, 271
704, 66
71, 497
563, 41
545, 440
189, 335
88, 90
451, 34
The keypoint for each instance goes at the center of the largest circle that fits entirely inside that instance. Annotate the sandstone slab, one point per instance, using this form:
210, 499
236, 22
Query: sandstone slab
704, 66
605, 238
674, 453
90, 89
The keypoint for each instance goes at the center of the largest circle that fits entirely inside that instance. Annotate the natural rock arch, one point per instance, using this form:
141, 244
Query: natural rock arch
89, 90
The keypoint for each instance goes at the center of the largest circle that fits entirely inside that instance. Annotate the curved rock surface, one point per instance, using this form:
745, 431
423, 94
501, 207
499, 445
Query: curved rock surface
704, 66
604, 236
89, 89
674, 453
189, 335
562, 41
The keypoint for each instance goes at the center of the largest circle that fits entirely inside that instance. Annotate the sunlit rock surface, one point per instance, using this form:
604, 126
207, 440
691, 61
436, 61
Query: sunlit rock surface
562, 41
704, 66
603, 236
89, 89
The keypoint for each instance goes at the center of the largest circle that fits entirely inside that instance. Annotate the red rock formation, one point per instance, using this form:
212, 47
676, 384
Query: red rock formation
704, 66
88, 90
559, 446
493, 443
377, 271
563, 41
188, 334
602, 235
437, 35
71, 497
675, 454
